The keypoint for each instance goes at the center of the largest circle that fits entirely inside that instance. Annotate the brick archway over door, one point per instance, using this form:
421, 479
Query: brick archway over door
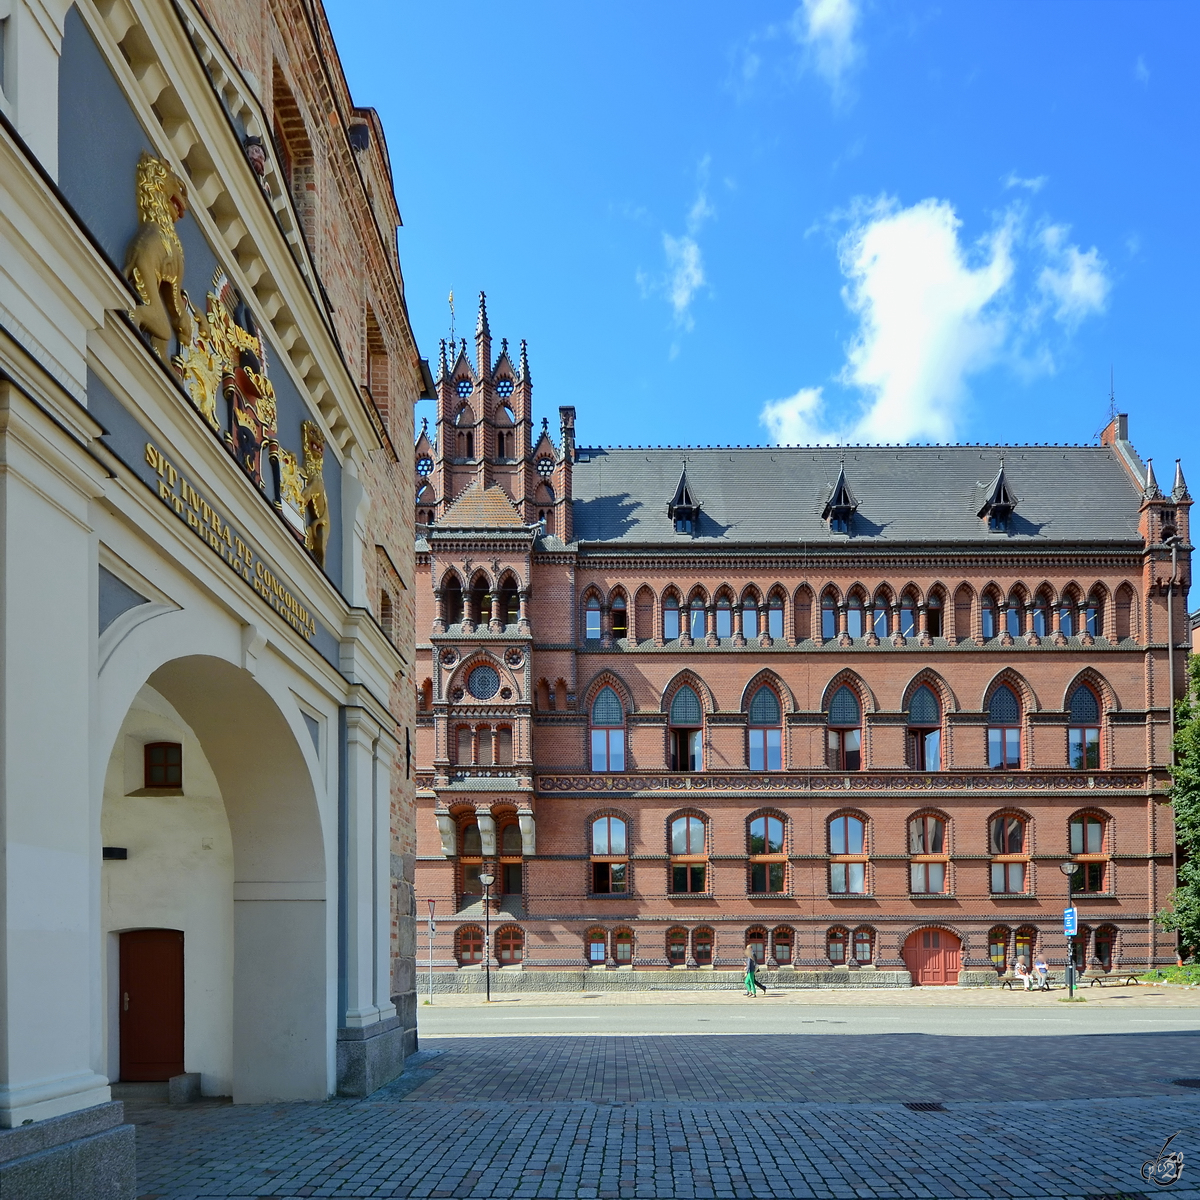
934, 956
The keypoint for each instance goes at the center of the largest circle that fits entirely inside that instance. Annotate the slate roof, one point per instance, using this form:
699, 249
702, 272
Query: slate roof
486, 508
905, 494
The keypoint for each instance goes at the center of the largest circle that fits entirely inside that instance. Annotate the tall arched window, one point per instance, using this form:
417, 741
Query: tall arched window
844, 735
591, 619
512, 875
470, 851
623, 945
470, 945
1066, 615
702, 946
775, 615
749, 618
927, 846
610, 856
987, 616
933, 616
756, 943
677, 946
881, 615
766, 745
724, 618
924, 730
1092, 617
863, 944
689, 859
1012, 616
908, 615
848, 854
1004, 730
643, 612
597, 947
835, 946
608, 732
509, 605
854, 617
510, 945
829, 617
697, 617
781, 945
1124, 612
479, 607
687, 731
670, 618
768, 861
1083, 737
620, 617
998, 947
452, 600
1041, 618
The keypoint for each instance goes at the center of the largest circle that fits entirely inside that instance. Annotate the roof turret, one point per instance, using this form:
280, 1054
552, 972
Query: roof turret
1000, 502
1179, 492
1151, 490
841, 505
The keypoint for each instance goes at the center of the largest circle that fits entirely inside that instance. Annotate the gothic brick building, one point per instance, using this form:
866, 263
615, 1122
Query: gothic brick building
852, 706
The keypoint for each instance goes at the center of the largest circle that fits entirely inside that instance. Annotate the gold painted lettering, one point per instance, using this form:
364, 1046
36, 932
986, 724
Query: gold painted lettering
225, 536
172, 474
164, 492
177, 504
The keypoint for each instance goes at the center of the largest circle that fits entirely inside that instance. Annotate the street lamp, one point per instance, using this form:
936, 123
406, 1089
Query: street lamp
487, 881
1069, 869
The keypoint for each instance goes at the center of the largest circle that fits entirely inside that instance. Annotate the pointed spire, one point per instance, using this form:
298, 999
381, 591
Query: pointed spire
1000, 502
504, 345
442, 368
1179, 492
481, 325
425, 425
524, 368
841, 505
546, 426
1151, 490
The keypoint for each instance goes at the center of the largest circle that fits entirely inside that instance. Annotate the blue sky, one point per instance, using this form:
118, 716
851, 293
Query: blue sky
832, 220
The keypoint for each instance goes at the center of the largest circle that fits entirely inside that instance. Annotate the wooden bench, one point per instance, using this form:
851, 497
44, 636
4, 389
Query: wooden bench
1120, 978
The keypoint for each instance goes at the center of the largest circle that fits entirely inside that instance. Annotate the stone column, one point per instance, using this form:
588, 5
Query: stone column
739, 637
898, 638
710, 624
764, 628
523, 601
439, 611
494, 623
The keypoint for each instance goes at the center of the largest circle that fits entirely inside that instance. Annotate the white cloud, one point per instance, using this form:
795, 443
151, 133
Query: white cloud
825, 28
1073, 281
933, 311
1034, 184
1141, 72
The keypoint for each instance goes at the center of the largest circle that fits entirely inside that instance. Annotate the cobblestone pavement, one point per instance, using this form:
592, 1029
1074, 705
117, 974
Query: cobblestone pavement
715, 1116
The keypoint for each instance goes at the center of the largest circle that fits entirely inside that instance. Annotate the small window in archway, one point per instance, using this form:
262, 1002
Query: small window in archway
862, 945
724, 618
836, 946
998, 948
163, 762
623, 944
702, 947
766, 744
1084, 733
924, 730
677, 947
1004, 730
591, 619
470, 945
908, 615
828, 617
844, 745
670, 619
781, 941
620, 618
510, 946
687, 731
933, 616
854, 617
597, 947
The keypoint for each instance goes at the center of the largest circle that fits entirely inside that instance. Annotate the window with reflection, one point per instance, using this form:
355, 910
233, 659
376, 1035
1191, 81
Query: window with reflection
610, 856
880, 616
724, 618
623, 947
702, 947
1041, 618
768, 862
756, 943
1066, 617
608, 732
1106, 939
765, 732
998, 948
686, 719
775, 615
470, 945
987, 617
863, 942
829, 621
597, 947
1008, 844
924, 730
1086, 834
782, 940
696, 618
854, 617
847, 848
620, 617
1083, 736
835, 946
908, 615
749, 618
843, 738
452, 601
933, 616
1092, 617
688, 857
927, 836
1004, 730
591, 619
677, 947
670, 619
512, 875
510, 946
1012, 616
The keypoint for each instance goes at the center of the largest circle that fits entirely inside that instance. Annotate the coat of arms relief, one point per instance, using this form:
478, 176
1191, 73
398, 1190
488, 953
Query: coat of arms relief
221, 360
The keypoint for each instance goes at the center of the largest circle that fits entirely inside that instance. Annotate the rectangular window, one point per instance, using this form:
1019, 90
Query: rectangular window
687, 877
766, 750
609, 878
670, 624
854, 622
724, 623
686, 750
847, 877
1088, 877
828, 622
908, 620
926, 749
1004, 747
163, 765
591, 624
511, 879
1008, 877
766, 877
471, 884
775, 621
880, 622
596, 952
845, 749
1087, 836
1084, 745
750, 621
608, 749
696, 621
927, 877
988, 622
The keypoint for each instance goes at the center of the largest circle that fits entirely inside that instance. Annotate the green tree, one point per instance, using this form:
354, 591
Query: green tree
1183, 916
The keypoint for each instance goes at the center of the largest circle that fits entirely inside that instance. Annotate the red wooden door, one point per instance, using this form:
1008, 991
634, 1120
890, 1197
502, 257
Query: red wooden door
934, 957
151, 1004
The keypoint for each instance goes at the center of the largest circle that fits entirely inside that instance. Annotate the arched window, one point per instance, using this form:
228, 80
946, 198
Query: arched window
756, 943
702, 947
687, 731
933, 615
775, 615
854, 617
781, 945
749, 618
768, 862
924, 730
697, 616
987, 617
623, 947
470, 851
1066, 615
472, 845
1012, 615
1083, 737
1106, 939
508, 607
464, 745
829, 617
591, 619
643, 613
881, 615
670, 619
470, 945
724, 618
998, 948
1004, 730
1008, 843
766, 744
677, 946
608, 732
1092, 617
510, 839
479, 607
1023, 945
688, 857
844, 735
610, 856
962, 613
803, 612
835, 946
908, 615
863, 944
620, 618
1088, 844
927, 845
597, 947
510, 945
504, 746
848, 853
1041, 618
1124, 612
452, 600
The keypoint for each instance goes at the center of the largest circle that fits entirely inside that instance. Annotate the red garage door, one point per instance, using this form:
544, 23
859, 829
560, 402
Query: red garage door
934, 957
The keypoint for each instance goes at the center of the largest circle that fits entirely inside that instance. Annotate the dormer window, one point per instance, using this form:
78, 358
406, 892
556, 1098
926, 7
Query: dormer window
841, 505
998, 507
684, 508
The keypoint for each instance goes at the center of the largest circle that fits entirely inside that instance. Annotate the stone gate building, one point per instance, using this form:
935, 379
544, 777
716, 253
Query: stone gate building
850, 706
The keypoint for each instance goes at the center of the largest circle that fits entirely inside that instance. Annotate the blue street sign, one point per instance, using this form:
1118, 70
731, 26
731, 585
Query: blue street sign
1070, 921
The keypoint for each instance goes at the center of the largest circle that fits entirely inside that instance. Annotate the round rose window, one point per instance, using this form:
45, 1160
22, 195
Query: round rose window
483, 683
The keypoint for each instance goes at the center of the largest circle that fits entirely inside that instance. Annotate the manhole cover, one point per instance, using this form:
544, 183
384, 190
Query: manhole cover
924, 1106
1192, 1083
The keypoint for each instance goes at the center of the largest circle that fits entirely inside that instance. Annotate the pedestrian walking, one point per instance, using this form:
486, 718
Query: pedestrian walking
752, 983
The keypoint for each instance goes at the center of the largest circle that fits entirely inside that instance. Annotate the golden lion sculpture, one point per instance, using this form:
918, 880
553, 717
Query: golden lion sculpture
154, 260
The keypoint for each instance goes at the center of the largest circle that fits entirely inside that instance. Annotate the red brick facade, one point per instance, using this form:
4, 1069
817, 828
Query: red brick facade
510, 760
